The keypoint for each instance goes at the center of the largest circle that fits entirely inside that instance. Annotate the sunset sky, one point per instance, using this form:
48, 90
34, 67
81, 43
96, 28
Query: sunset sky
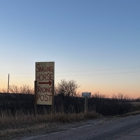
93, 42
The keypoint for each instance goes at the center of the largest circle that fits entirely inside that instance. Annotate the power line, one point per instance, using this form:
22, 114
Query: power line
101, 69
128, 68
87, 74
101, 74
80, 73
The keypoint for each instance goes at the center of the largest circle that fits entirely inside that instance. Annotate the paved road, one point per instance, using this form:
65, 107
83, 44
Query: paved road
126, 128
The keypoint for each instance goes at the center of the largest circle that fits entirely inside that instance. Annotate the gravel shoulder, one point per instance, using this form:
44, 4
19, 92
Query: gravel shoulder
64, 127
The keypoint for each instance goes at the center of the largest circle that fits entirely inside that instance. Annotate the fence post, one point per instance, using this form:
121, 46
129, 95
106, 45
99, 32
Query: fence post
53, 97
86, 105
35, 98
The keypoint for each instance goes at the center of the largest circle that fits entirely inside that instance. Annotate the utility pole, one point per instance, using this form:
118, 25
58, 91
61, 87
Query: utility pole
8, 83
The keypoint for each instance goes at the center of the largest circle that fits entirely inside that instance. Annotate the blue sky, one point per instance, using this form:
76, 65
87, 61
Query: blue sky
94, 42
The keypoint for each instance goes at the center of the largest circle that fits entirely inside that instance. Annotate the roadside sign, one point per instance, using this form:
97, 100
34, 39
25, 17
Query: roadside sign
44, 76
86, 94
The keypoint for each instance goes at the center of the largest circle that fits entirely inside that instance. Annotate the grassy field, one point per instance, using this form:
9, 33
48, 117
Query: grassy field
135, 104
17, 117
19, 124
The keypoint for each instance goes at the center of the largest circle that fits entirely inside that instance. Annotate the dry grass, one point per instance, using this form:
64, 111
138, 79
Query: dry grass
129, 113
23, 124
135, 103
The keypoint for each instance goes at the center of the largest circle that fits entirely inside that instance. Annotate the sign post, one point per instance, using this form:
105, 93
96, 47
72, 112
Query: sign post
44, 77
35, 97
86, 95
53, 97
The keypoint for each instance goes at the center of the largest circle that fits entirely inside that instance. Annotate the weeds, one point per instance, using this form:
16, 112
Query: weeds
17, 117
22, 123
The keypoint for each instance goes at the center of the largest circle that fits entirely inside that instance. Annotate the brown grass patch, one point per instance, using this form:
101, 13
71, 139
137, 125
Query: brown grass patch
24, 124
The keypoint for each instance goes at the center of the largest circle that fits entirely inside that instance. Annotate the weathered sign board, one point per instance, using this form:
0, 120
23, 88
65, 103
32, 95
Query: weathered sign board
44, 76
86, 94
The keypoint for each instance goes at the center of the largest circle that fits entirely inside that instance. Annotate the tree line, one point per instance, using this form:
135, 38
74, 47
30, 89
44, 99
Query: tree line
66, 100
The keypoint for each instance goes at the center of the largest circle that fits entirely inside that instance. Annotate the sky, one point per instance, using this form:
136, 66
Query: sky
93, 42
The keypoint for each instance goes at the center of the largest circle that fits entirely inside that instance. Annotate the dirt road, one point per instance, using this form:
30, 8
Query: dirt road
126, 128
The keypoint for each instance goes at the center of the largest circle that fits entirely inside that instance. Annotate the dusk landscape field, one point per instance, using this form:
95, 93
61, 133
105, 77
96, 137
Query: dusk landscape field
17, 116
51, 52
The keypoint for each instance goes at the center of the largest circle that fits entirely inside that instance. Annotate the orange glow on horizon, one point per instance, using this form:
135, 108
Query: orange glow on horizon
106, 90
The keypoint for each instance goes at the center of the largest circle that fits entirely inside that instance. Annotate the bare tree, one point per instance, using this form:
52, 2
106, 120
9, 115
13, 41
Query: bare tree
14, 89
26, 89
23, 89
3, 90
98, 95
67, 88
